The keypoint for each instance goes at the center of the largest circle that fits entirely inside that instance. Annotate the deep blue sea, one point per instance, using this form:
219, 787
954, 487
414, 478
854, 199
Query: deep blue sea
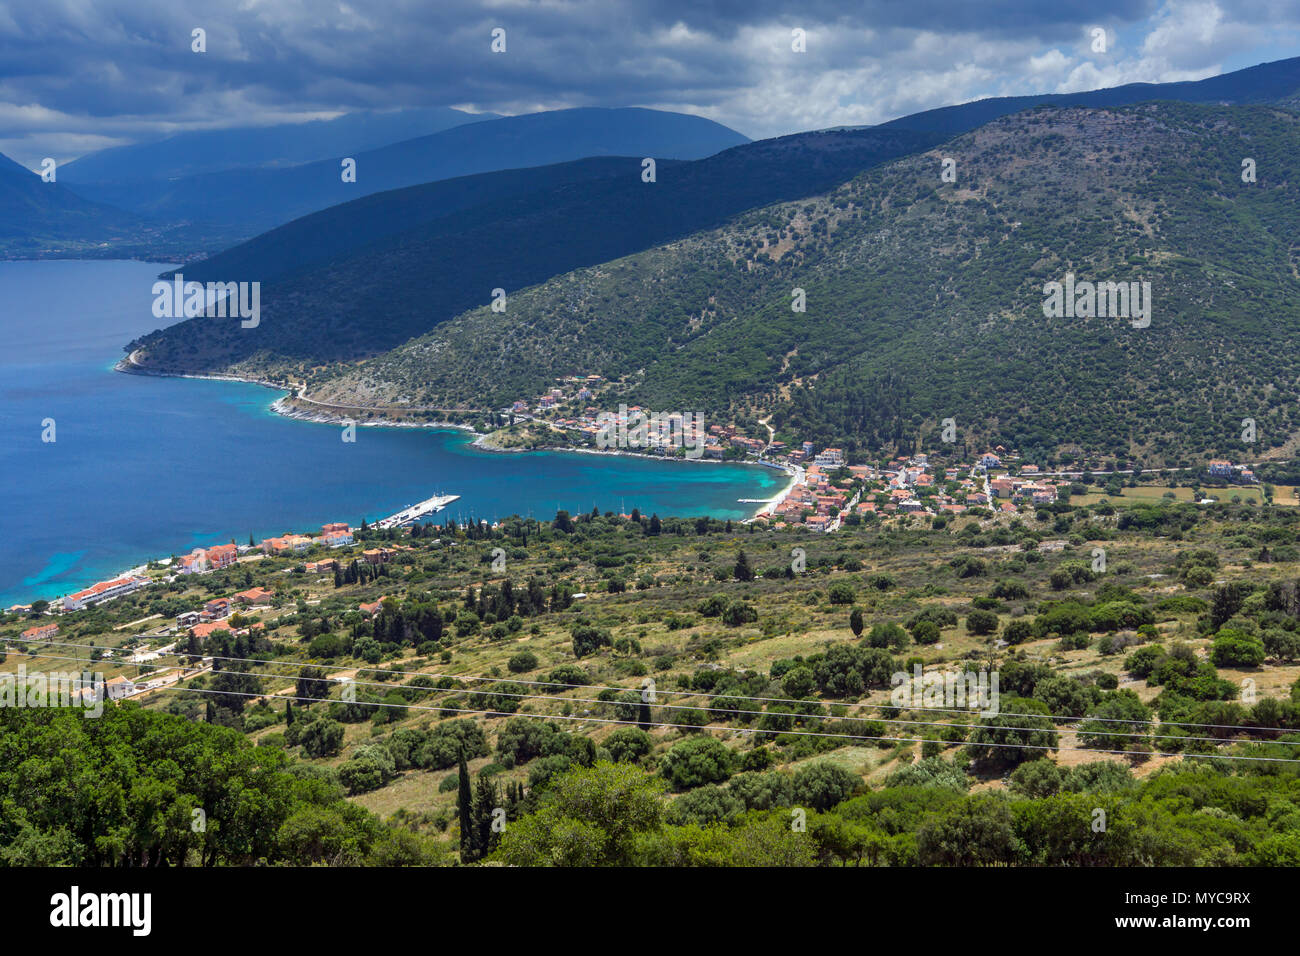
145, 467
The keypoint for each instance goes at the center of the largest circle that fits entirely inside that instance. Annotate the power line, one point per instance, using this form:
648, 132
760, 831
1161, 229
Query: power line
676, 693
952, 726
802, 733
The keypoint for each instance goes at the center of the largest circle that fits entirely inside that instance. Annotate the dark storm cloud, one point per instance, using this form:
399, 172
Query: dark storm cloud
79, 74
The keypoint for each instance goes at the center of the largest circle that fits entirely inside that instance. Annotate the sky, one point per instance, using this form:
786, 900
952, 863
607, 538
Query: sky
80, 75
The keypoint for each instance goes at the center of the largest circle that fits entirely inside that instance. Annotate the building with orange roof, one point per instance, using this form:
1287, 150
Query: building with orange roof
253, 596
208, 628
103, 591
40, 632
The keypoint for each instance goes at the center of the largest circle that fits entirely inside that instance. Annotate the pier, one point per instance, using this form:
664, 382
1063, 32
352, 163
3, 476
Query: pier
415, 512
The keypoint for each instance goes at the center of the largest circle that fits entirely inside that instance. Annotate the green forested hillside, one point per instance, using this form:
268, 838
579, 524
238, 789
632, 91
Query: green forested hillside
382, 285
925, 299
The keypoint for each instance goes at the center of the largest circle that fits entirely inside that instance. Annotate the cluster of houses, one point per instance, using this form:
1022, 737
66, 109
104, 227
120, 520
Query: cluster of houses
202, 560
336, 534
827, 490
1223, 470
580, 387
213, 616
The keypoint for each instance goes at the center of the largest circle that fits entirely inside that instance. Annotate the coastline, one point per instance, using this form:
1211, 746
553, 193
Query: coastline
283, 406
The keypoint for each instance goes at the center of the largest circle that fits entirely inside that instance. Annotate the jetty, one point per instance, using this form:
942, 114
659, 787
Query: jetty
413, 513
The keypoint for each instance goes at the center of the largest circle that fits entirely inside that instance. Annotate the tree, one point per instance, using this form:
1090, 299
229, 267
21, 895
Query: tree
643, 718
587, 817
487, 801
1002, 741
855, 621
978, 831
1226, 602
742, 570
887, 635
323, 737
588, 639
981, 622
1119, 722
1036, 778
738, 613
465, 807
629, 744
926, 632
312, 684
1018, 631
522, 662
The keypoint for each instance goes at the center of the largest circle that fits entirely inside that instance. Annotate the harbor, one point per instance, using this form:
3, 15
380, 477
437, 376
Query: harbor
412, 513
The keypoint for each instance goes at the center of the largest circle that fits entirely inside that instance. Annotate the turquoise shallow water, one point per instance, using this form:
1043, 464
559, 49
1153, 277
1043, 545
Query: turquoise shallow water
144, 467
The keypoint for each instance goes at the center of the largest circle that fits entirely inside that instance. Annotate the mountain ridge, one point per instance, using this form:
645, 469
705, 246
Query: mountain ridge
925, 299
251, 201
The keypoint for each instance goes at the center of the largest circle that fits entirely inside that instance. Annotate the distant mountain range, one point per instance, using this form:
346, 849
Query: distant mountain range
39, 218
251, 147
249, 201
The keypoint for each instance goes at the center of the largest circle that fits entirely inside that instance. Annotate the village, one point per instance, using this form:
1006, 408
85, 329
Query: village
824, 492
825, 489
239, 614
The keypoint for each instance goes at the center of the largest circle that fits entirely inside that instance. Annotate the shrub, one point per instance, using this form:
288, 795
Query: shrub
369, 768
522, 662
628, 744
321, 738
762, 791
696, 761
588, 639
1018, 631
931, 772
926, 632
887, 635
821, 786
737, 613
842, 592
1234, 648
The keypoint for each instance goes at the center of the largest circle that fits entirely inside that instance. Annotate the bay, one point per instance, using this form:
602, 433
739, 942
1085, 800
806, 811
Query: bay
144, 467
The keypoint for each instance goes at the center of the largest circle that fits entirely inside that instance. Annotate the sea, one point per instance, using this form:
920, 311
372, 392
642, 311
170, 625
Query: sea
103, 471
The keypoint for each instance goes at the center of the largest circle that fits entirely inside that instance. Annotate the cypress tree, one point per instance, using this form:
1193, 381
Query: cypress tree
486, 800
466, 806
